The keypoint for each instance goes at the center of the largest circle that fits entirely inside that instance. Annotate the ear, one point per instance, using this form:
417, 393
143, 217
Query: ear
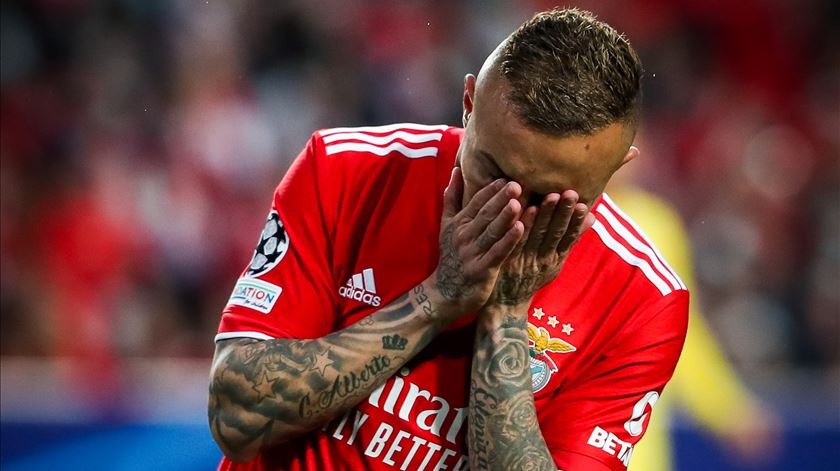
631, 154
469, 97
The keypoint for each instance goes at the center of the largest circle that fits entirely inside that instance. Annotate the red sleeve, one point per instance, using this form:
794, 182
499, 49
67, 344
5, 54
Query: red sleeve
594, 423
287, 288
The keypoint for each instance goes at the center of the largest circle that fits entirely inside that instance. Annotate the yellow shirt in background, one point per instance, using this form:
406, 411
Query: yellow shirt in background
704, 385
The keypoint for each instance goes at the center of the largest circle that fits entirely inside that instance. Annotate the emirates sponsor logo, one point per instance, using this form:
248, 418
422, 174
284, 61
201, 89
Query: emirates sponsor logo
396, 442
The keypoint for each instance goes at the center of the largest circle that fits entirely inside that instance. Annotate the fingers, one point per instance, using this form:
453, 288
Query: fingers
497, 228
560, 220
498, 204
453, 194
484, 195
502, 249
580, 222
528, 218
543, 222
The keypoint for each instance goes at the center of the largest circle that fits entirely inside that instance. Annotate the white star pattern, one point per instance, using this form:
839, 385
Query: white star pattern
552, 321
568, 329
538, 313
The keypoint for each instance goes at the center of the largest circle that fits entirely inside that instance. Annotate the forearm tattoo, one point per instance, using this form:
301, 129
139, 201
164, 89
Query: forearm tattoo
513, 289
503, 430
265, 392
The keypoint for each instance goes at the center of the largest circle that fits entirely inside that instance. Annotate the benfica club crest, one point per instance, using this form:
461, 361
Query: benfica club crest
542, 366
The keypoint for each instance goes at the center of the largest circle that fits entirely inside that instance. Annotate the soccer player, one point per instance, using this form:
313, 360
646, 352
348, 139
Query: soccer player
428, 297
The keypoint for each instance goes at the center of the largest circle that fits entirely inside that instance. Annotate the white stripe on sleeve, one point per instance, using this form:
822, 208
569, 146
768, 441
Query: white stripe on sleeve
638, 245
380, 140
628, 257
642, 233
393, 147
387, 128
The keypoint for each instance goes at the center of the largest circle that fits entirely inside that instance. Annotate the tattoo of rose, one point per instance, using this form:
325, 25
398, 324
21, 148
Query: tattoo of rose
508, 364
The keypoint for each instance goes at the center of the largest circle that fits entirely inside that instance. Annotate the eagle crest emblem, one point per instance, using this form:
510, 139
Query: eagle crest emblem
542, 366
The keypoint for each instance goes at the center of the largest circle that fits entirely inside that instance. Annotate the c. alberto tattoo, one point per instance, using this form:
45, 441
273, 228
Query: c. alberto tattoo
343, 386
504, 432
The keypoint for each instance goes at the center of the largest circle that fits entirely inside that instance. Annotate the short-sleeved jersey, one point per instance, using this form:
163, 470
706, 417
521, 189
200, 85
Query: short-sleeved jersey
354, 225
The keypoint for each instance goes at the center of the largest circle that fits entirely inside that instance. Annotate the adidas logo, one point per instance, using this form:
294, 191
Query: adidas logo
361, 287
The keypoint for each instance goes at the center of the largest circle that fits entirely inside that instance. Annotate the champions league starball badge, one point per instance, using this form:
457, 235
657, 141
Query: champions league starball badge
271, 248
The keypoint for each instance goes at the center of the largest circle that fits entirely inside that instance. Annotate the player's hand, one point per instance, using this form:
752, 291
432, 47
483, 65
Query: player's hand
550, 233
474, 242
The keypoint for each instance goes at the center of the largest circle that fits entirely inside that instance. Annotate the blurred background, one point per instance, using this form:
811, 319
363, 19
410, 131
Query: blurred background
141, 140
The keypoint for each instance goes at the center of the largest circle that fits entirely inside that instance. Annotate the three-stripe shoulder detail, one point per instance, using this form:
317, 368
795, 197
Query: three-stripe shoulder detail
410, 140
624, 237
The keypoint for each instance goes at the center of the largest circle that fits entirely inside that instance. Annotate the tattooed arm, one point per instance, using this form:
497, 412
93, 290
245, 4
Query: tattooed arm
504, 432
263, 393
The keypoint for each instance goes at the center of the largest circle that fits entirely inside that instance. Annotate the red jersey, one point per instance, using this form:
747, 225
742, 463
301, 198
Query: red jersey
354, 225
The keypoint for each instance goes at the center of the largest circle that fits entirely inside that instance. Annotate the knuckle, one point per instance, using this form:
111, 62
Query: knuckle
481, 195
461, 235
488, 238
485, 212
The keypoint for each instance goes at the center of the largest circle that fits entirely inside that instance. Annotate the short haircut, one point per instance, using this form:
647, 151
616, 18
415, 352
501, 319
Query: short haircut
570, 73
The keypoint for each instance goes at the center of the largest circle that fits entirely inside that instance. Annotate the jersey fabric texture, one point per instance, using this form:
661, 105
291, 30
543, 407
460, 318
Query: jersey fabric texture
354, 224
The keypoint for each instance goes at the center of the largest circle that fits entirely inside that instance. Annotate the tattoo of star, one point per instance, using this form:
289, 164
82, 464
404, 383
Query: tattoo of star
259, 387
322, 361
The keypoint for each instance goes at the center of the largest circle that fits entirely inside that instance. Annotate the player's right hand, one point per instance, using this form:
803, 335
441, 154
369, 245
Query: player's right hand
475, 240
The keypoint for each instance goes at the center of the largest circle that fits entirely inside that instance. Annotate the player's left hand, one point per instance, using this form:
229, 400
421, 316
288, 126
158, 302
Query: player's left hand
550, 233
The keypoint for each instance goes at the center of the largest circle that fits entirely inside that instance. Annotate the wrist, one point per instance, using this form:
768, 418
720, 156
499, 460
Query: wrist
433, 305
495, 316
501, 311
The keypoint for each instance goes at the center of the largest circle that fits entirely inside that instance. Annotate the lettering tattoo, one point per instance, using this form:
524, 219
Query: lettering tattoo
483, 406
423, 301
344, 386
503, 430
450, 272
266, 392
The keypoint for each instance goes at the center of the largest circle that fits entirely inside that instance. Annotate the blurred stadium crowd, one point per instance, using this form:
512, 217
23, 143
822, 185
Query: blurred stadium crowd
141, 141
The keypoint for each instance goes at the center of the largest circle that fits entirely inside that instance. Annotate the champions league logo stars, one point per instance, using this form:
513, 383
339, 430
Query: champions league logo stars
271, 248
540, 342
